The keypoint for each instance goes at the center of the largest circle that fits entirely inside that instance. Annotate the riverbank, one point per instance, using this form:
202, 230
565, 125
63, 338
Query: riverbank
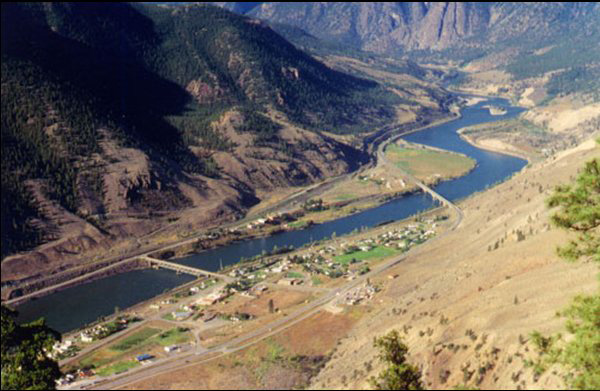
397, 209
79, 277
496, 146
463, 305
230, 233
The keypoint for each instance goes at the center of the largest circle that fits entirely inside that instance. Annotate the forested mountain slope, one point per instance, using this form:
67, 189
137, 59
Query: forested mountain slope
118, 119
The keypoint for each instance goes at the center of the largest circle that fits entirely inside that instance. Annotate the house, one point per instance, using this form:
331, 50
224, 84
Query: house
181, 315
62, 347
213, 298
209, 316
277, 269
171, 348
290, 281
66, 380
83, 373
260, 288
86, 338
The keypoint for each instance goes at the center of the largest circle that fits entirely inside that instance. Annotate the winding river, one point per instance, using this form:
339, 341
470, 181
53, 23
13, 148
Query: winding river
77, 306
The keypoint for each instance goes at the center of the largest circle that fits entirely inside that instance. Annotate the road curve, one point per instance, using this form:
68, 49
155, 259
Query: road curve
204, 355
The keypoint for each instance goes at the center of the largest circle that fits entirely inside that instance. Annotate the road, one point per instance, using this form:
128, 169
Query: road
159, 316
383, 160
378, 140
202, 355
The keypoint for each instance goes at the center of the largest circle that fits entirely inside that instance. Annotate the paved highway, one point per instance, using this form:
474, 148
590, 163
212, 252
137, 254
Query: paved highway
201, 355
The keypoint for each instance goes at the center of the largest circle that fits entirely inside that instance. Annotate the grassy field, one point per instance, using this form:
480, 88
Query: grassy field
118, 357
121, 366
174, 336
295, 275
298, 224
135, 340
423, 163
375, 253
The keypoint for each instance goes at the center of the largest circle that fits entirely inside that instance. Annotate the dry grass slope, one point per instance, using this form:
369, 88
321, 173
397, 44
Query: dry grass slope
466, 309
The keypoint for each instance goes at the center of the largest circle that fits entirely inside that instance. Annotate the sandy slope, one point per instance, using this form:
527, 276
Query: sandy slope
500, 294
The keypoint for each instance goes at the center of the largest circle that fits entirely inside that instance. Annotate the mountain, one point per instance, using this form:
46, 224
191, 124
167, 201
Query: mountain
552, 40
120, 119
396, 27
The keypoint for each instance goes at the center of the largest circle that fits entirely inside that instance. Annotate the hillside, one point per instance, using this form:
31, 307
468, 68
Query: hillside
466, 313
396, 27
122, 120
548, 47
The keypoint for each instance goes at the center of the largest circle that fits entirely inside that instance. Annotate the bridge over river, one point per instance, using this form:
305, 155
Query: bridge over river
153, 262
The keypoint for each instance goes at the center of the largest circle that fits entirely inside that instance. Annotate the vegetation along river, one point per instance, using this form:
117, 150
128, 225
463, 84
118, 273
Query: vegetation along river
77, 306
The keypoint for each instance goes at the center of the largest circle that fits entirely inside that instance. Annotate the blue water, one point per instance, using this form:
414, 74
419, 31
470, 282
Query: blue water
77, 306
491, 168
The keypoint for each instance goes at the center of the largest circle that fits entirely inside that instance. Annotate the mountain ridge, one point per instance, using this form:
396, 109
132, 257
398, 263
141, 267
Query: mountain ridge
394, 28
126, 119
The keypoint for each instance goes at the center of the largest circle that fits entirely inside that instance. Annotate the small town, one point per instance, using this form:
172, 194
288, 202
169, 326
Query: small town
300, 195
212, 306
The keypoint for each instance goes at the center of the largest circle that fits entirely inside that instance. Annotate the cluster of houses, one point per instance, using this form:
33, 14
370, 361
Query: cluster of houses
404, 239
94, 333
203, 286
195, 309
255, 291
104, 330
359, 294
322, 261
213, 298
74, 376
277, 219
63, 349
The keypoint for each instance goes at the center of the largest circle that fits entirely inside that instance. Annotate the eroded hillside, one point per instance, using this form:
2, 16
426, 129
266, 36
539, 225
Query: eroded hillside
126, 126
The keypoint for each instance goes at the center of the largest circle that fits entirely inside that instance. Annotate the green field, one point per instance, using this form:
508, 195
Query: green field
424, 162
119, 367
174, 336
135, 340
375, 253
114, 359
298, 224
295, 275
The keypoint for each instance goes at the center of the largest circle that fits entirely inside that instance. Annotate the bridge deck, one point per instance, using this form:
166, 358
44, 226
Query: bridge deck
433, 194
184, 268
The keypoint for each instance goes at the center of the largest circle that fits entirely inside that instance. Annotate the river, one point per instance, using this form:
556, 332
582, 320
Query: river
77, 306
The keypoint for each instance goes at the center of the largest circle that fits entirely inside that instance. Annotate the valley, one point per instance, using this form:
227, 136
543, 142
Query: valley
512, 289
125, 193
199, 198
318, 301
